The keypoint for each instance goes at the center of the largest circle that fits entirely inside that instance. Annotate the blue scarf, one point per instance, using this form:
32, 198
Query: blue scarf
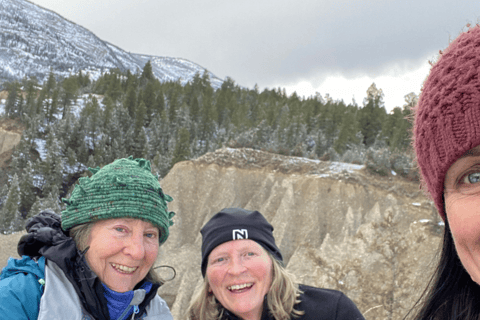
117, 302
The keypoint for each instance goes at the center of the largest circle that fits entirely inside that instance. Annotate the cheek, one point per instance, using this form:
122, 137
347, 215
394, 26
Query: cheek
463, 214
213, 278
264, 273
151, 253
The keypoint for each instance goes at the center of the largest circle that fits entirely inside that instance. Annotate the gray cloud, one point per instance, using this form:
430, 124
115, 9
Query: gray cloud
277, 41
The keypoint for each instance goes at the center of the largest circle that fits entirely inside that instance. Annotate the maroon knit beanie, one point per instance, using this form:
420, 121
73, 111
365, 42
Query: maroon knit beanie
447, 117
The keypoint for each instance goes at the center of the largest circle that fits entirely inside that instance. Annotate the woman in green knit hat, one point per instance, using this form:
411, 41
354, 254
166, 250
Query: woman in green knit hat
96, 261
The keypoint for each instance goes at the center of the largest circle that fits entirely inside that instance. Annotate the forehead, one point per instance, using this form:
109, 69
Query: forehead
125, 221
237, 245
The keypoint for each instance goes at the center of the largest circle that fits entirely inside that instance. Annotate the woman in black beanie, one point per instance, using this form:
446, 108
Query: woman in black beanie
244, 276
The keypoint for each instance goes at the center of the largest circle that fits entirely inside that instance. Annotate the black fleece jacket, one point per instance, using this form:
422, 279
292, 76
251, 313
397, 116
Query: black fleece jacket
318, 304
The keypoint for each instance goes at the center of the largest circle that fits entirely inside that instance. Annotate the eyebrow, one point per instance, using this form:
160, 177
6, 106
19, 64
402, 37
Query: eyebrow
475, 152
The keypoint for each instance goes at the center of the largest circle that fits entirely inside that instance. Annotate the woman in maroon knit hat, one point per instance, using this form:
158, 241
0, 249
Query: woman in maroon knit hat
447, 146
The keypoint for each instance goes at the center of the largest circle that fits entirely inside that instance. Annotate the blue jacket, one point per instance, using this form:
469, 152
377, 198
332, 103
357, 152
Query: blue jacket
21, 288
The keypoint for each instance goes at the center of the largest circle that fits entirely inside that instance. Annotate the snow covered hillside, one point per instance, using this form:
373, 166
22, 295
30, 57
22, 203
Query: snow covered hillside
34, 40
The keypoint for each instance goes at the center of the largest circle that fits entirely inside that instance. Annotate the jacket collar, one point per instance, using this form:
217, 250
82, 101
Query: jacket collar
228, 315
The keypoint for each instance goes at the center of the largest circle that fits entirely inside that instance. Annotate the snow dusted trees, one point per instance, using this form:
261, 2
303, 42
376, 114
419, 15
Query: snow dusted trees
9, 211
134, 114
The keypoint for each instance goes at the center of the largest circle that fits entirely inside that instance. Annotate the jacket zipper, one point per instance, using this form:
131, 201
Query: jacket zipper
125, 313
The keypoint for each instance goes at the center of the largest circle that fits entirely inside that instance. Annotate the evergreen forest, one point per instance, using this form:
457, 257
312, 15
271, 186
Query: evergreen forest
74, 123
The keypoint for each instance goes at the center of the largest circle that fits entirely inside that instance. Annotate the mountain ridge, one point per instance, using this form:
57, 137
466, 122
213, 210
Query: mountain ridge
35, 40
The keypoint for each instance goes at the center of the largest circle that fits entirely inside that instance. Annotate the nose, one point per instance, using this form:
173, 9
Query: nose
236, 266
135, 247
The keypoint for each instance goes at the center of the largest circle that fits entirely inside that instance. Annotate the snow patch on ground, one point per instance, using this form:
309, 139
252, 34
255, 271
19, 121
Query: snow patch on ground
337, 167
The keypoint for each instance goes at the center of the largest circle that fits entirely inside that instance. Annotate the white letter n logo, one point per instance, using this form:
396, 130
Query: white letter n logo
240, 234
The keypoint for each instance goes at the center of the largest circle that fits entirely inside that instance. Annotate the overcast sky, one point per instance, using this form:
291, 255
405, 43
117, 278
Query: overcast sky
337, 47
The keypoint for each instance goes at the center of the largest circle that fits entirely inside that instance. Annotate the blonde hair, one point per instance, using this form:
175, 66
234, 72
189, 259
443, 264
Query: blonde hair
282, 297
80, 235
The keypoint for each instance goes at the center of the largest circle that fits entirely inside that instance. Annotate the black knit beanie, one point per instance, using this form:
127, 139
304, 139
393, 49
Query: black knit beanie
235, 224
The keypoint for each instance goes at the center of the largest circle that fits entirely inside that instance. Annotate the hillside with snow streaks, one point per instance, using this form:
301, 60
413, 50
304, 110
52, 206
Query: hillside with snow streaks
171, 69
34, 40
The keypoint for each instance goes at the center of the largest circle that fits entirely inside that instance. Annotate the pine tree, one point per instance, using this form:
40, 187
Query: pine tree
173, 105
182, 147
149, 100
31, 92
147, 73
114, 90
159, 108
140, 146
52, 107
162, 163
129, 141
52, 202
52, 168
10, 207
130, 102
40, 102
27, 196
371, 116
139, 136
69, 94
92, 114
140, 116
348, 130
108, 110
71, 156
194, 108
403, 127
51, 84
36, 208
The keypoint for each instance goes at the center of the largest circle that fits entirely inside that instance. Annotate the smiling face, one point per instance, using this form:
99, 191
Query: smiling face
239, 273
462, 206
122, 251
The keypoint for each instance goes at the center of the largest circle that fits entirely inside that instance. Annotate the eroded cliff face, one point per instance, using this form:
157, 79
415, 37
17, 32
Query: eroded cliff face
337, 226
10, 135
8, 140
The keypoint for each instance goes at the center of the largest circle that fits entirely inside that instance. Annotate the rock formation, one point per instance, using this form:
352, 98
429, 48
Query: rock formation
8, 140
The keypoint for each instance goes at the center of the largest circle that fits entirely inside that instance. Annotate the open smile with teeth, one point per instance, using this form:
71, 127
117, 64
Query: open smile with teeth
240, 286
123, 269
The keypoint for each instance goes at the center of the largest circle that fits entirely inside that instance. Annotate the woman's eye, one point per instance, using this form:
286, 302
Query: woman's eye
119, 229
471, 178
151, 235
250, 254
217, 260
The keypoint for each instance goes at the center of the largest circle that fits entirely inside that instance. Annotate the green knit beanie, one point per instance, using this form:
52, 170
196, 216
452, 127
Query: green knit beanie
125, 188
